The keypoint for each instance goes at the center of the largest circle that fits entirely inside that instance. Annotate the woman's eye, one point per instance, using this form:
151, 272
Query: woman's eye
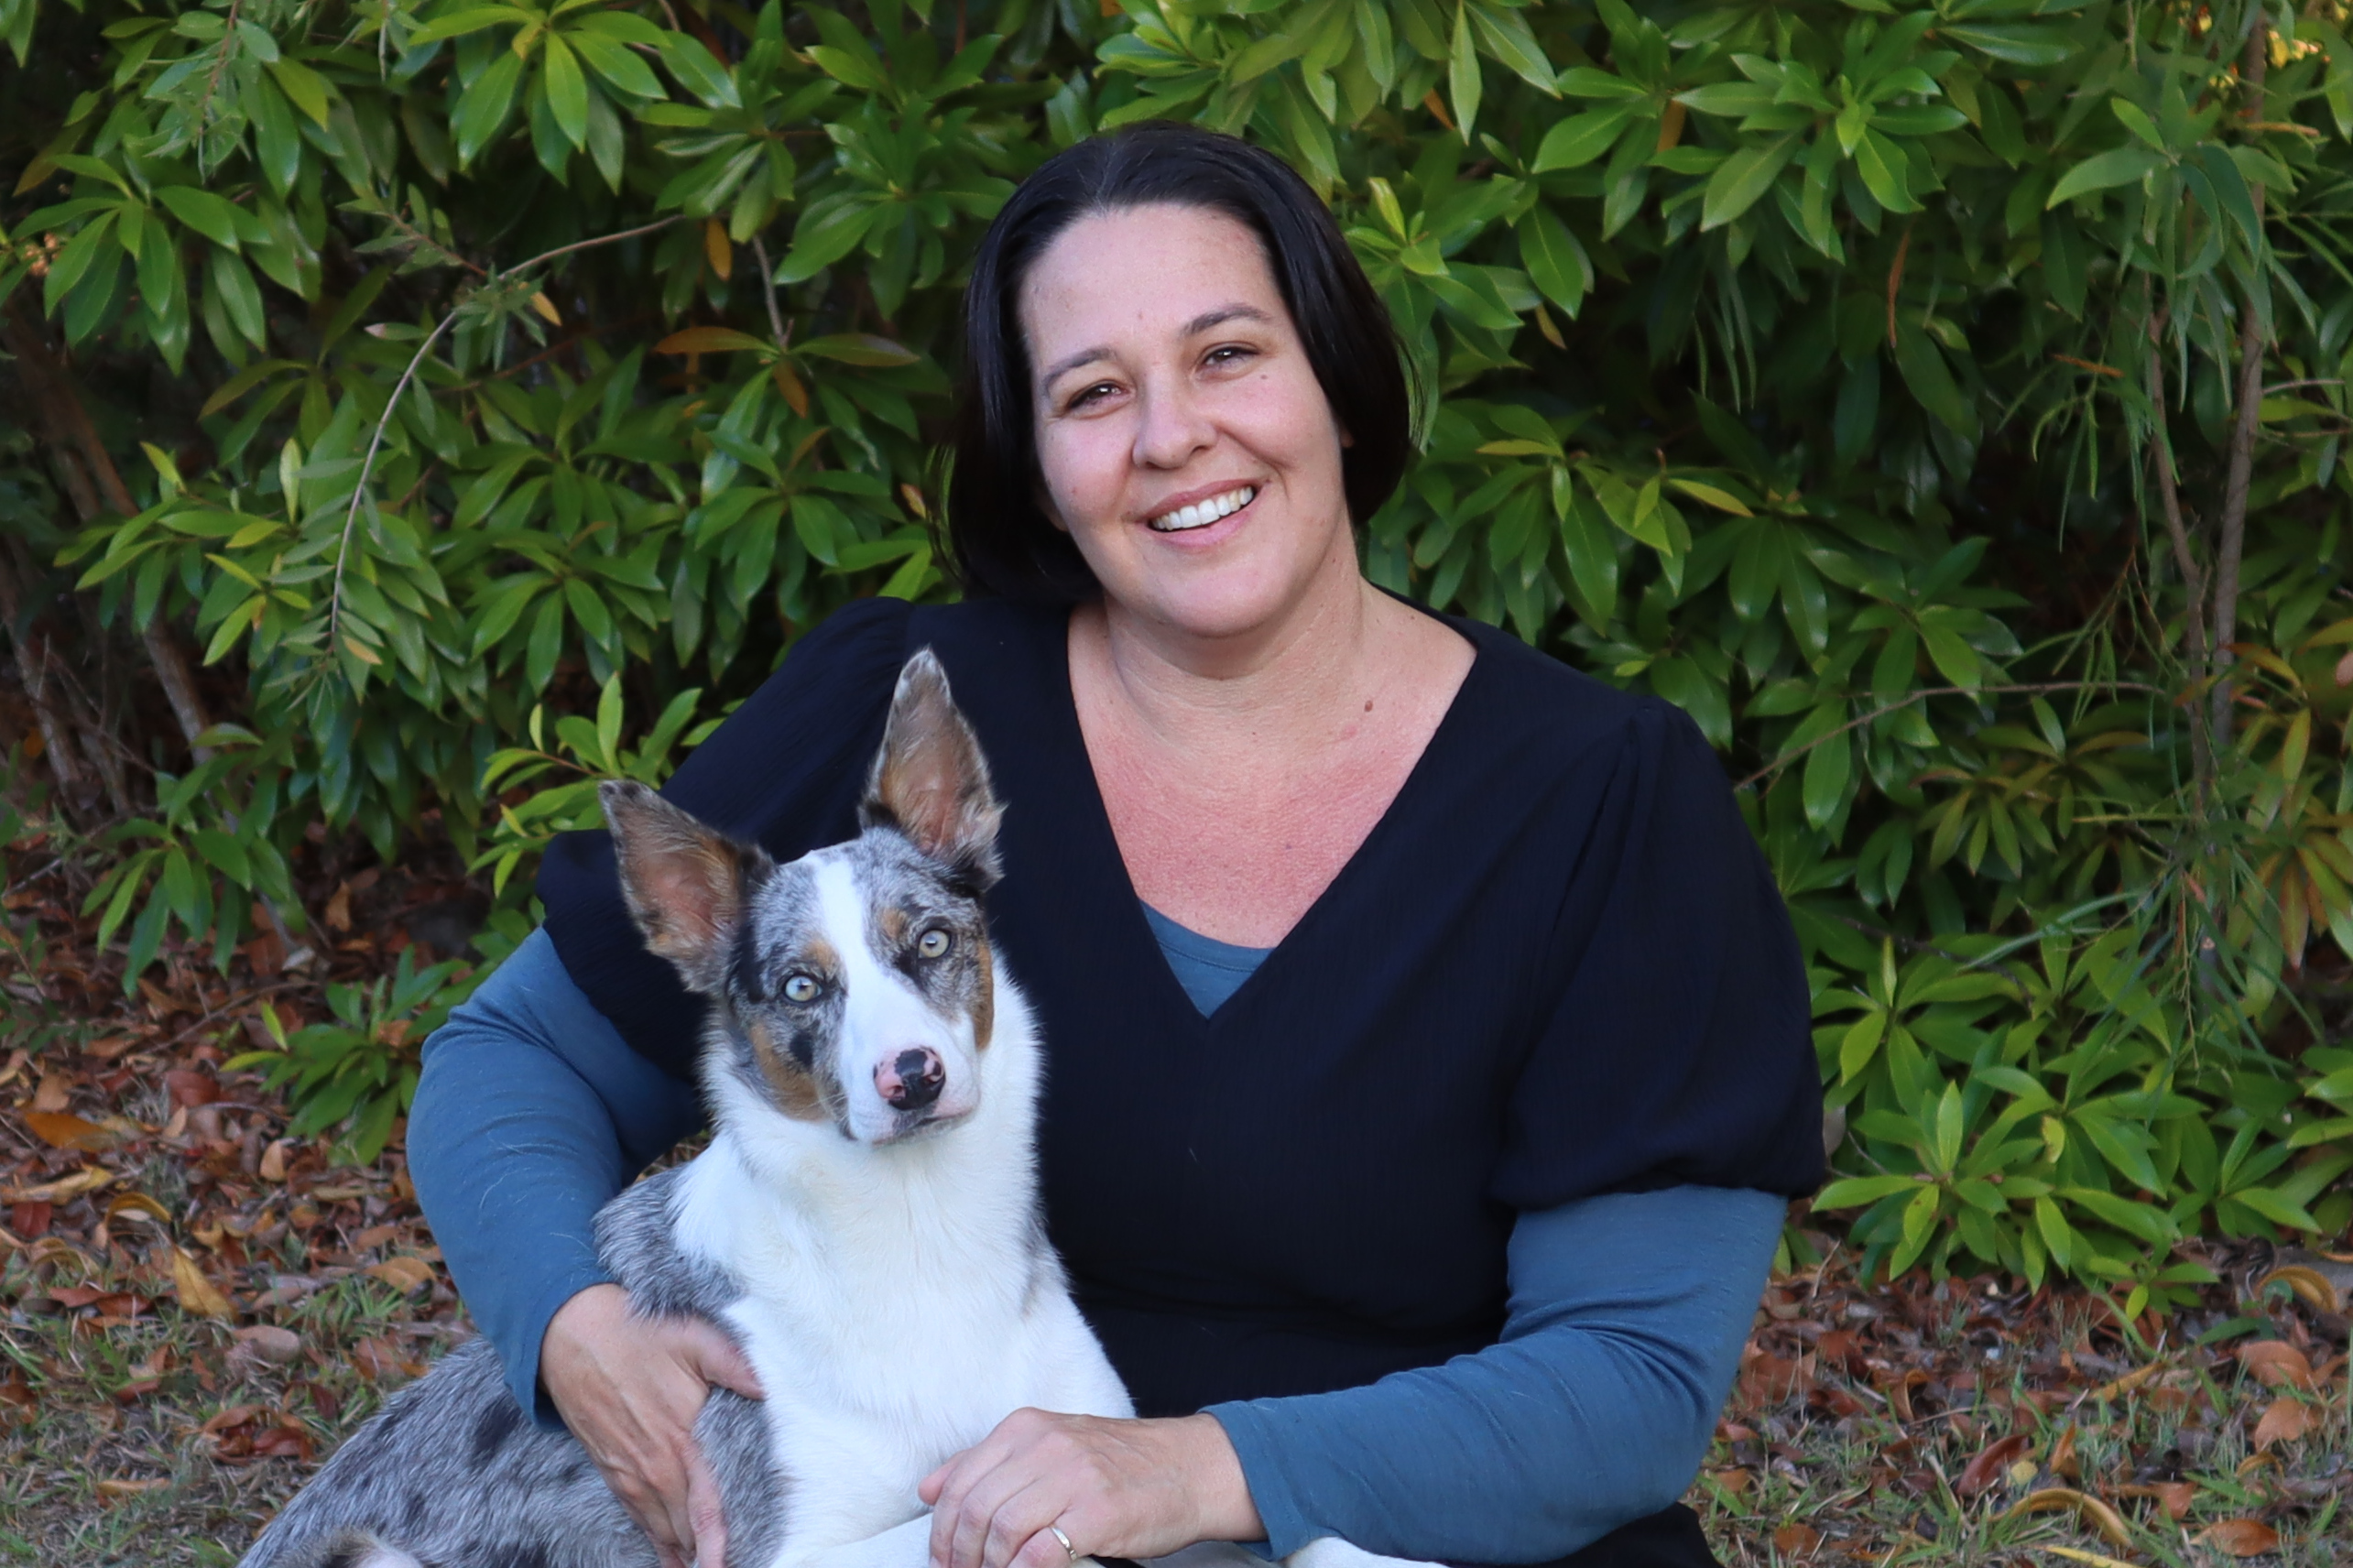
934, 943
1227, 355
801, 988
1099, 390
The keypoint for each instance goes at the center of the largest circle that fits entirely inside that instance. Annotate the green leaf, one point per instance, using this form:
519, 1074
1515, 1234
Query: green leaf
1743, 176
1579, 140
1504, 35
483, 108
1930, 380
208, 214
458, 23
616, 63
1556, 261
1463, 71
1854, 1191
567, 91
303, 87
2118, 165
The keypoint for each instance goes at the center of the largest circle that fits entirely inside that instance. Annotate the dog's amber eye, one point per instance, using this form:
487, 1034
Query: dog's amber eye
934, 943
801, 988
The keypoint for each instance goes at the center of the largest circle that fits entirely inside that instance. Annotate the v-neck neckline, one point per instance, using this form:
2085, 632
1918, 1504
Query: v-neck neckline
1140, 939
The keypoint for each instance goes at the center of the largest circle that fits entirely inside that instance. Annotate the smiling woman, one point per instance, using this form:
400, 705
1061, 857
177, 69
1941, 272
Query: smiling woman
1427, 1047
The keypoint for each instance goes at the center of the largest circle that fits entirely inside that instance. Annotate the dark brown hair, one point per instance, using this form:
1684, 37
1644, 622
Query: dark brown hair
1003, 545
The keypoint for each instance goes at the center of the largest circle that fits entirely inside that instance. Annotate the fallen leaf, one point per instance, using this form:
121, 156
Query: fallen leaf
374, 1236
2063, 1461
63, 1129
2094, 1558
1735, 1481
128, 1489
2173, 1497
2276, 1363
273, 1161
113, 1046
2314, 1288
338, 1194
123, 1203
51, 1097
197, 1294
1796, 1539
380, 1358
406, 1275
236, 1415
2088, 1509
193, 1087
2239, 1537
88, 1179
2126, 1384
2285, 1421
1768, 1380
339, 909
266, 1343
1989, 1465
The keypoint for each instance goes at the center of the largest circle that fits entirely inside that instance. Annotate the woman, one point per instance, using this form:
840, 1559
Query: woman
1429, 1061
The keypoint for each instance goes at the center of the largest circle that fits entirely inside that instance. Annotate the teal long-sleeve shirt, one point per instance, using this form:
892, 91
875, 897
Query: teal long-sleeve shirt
1624, 1327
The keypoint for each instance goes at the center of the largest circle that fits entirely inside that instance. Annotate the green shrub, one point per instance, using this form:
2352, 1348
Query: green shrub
1943, 404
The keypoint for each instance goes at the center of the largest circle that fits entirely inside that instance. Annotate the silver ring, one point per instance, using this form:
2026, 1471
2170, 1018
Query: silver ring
1068, 1550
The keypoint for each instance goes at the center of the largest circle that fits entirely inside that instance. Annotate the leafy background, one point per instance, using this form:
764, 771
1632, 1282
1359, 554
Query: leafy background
415, 411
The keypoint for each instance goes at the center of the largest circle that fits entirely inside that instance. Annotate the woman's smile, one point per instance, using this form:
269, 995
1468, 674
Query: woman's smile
1193, 511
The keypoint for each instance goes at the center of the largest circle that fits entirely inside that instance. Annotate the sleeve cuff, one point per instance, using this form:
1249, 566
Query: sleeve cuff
523, 1371
1247, 1428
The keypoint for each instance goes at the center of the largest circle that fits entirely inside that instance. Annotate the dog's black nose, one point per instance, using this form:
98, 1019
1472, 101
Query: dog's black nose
914, 1080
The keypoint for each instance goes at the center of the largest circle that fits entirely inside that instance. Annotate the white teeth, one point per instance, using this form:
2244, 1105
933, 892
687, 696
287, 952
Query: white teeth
1201, 513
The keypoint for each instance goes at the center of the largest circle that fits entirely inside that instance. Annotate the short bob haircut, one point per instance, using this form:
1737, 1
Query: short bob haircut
1004, 547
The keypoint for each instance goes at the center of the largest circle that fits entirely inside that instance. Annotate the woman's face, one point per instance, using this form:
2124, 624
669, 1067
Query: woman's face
1182, 438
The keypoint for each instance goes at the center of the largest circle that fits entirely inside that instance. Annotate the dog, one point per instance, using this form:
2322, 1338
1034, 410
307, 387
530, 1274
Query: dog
865, 1224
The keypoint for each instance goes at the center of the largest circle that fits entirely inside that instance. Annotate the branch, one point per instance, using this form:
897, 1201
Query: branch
2232, 545
2169, 495
1927, 692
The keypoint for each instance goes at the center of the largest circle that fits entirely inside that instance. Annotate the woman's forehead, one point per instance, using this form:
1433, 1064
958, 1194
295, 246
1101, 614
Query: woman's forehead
1149, 273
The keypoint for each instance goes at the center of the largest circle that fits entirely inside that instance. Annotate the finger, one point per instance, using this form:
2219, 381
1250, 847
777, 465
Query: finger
705, 1514
1042, 1551
1021, 1518
976, 1511
714, 1357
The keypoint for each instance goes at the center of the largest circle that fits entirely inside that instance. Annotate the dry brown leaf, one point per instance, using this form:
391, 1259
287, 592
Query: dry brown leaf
1735, 1480
2085, 1506
2285, 1421
273, 1161
2092, 1558
63, 1129
123, 1203
338, 1194
236, 1415
339, 909
191, 1086
266, 1343
53, 1094
2173, 1497
112, 1489
88, 1179
197, 1294
2277, 1363
2239, 1537
2311, 1287
1796, 1539
1990, 1464
2062, 1460
2126, 1384
406, 1275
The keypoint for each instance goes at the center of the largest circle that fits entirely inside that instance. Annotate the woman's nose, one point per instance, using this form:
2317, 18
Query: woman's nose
1172, 427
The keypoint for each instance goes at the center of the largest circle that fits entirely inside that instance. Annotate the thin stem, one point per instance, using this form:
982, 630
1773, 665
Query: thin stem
2034, 688
2169, 495
768, 287
368, 464
2232, 544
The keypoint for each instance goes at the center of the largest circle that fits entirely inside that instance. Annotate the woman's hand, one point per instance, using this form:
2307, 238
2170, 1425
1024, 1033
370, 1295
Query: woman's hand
629, 1387
1116, 1488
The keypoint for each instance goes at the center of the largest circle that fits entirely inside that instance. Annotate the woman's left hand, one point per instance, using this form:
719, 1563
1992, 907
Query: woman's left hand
1116, 1488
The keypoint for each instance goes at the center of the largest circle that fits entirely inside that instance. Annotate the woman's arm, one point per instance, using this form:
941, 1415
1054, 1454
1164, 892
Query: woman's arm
530, 1113
1627, 1318
1628, 1315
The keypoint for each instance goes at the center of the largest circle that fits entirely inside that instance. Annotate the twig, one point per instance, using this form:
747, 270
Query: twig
2169, 495
2232, 544
768, 287
230, 1006
368, 464
1895, 280
1927, 691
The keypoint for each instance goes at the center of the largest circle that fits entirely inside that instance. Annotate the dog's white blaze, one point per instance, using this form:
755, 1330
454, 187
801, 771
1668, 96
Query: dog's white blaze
889, 1310
883, 1012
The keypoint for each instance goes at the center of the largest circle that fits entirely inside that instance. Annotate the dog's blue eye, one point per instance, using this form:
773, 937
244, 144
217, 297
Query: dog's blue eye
934, 943
801, 988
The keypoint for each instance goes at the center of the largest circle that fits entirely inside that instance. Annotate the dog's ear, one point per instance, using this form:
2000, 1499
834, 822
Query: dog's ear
930, 780
686, 883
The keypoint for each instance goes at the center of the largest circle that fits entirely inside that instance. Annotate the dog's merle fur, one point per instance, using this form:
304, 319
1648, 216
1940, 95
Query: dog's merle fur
452, 1473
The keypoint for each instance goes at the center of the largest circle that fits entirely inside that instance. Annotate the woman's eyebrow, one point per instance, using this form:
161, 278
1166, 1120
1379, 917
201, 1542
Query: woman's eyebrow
1194, 328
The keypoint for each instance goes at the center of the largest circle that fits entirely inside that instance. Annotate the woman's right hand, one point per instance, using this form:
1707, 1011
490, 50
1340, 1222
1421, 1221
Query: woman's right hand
630, 1388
